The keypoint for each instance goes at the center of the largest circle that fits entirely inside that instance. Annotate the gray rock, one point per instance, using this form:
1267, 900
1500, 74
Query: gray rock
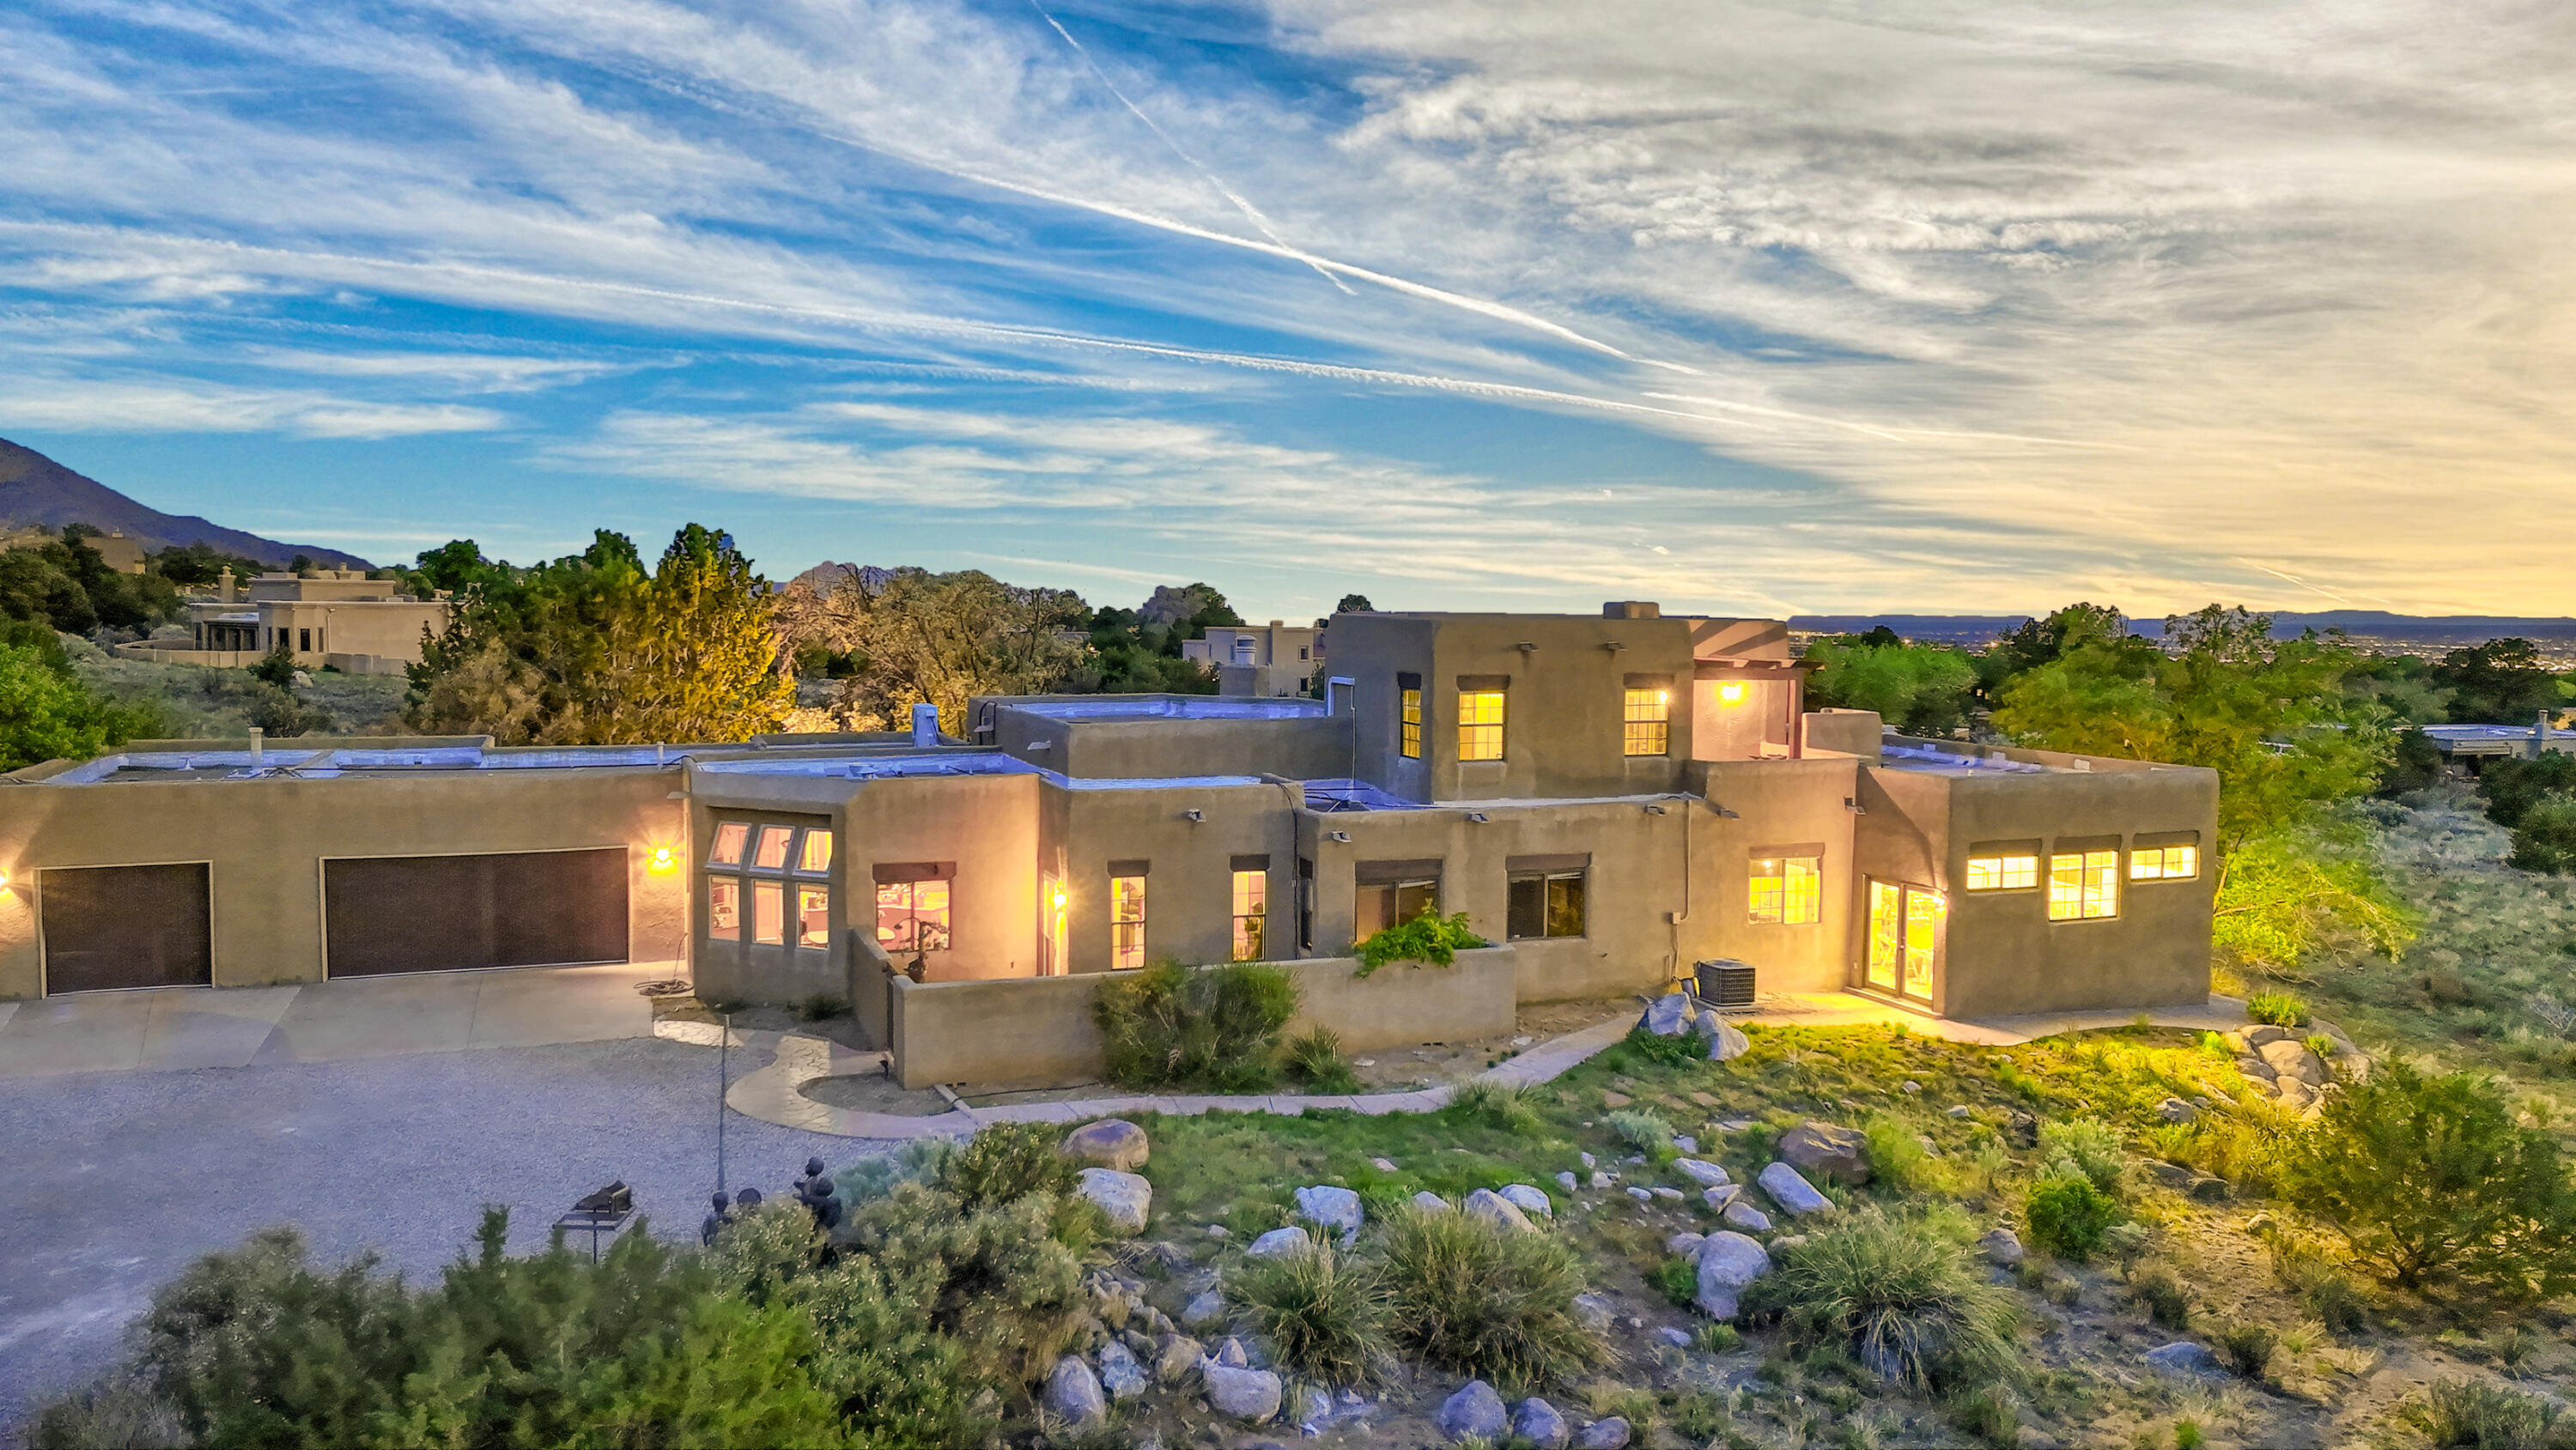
1568, 1182
1311, 1406
1792, 1191
1684, 1243
1384, 1165
1499, 1211
2264, 1034
1337, 1209
2175, 1110
1677, 1338
1821, 1150
1685, 1143
1249, 1395
1718, 1198
1786, 1242
1290, 1240
1609, 1434
1474, 1410
1124, 1198
1706, 1175
1960, 1110
1725, 1041
1593, 1310
1660, 1191
2001, 1246
1537, 1421
1109, 1143
1120, 1374
1727, 1263
2293, 1060
1232, 1355
1601, 1180
1669, 1016
2186, 1360
1642, 1195
1587, 1162
1208, 1308
1528, 1199
1909, 1086
1178, 1362
1430, 1202
1744, 1215
1930, 1148
1219, 1231
1073, 1393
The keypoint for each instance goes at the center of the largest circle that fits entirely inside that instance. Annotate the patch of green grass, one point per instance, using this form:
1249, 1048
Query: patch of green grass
2280, 1009
1641, 1129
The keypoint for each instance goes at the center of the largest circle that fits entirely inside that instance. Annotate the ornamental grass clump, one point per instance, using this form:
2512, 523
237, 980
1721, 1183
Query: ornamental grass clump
1215, 1028
1901, 1293
1641, 1130
2468, 1415
1487, 1301
2280, 1009
1316, 1060
1495, 1104
1323, 1313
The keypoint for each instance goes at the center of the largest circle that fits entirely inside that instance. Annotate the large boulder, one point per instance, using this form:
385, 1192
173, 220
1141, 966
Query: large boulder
1727, 1263
1823, 1150
1336, 1210
1527, 1199
1744, 1215
2293, 1060
1725, 1043
1791, 1191
1177, 1362
1706, 1175
1668, 1016
1125, 1199
1109, 1143
1609, 1434
1290, 1240
1073, 1393
2185, 1360
1537, 1421
1475, 1410
1430, 1202
2001, 1246
1249, 1395
1499, 1211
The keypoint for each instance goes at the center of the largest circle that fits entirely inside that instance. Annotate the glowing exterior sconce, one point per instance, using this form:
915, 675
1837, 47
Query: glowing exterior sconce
1730, 693
661, 862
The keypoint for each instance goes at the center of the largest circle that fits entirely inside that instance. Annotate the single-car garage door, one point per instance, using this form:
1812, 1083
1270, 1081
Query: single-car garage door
108, 927
387, 914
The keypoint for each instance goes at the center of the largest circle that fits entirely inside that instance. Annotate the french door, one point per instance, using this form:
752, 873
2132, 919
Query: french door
1904, 938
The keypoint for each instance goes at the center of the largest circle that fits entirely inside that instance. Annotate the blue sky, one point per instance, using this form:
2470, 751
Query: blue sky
1759, 308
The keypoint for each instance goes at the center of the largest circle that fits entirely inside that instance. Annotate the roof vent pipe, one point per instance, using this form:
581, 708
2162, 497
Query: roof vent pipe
925, 724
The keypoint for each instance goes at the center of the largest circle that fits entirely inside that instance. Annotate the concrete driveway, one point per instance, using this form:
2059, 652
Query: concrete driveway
118, 1180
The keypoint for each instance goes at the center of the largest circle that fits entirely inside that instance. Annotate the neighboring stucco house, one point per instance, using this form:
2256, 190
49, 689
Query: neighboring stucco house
335, 617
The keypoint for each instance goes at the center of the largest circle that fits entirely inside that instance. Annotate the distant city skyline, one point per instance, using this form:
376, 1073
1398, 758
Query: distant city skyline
1904, 307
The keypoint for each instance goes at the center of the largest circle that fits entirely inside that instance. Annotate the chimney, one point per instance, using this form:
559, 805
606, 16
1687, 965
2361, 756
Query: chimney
257, 742
925, 724
224, 586
1632, 609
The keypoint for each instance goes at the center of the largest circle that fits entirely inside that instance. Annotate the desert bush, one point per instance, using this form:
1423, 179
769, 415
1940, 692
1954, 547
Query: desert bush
1175, 1026
2321, 1287
2246, 1346
1003, 1283
1428, 938
1323, 1312
2068, 1215
2468, 1415
1496, 1104
1677, 1279
118, 1413
1004, 1163
915, 1162
1896, 1155
1989, 1414
1717, 1339
2513, 787
2546, 838
1680, 1050
2430, 1179
1641, 1129
1900, 1292
2157, 1291
2280, 1009
1488, 1301
2083, 1147
1316, 1060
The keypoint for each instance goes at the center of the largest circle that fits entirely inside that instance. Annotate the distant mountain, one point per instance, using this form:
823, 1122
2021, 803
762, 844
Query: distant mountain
1978, 629
827, 576
35, 489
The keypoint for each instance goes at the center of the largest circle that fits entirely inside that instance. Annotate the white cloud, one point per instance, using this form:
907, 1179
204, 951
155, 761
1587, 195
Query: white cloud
184, 407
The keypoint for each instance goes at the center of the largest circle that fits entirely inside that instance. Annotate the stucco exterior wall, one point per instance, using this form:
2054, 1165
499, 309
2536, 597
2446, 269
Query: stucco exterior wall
1778, 804
1189, 881
1302, 748
265, 841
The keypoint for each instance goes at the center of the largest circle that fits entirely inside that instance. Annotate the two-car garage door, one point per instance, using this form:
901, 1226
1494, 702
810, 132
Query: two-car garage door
391, 914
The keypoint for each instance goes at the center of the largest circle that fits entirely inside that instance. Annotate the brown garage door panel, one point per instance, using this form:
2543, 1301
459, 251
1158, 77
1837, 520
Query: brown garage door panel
457, 913
108, 927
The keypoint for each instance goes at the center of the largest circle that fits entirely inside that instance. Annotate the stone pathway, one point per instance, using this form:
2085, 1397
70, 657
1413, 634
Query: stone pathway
775, 1093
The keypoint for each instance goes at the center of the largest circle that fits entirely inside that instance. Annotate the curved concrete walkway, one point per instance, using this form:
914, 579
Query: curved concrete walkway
775, 1093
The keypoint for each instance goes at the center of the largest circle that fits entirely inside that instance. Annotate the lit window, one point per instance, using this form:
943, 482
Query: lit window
2002, 873
912, 916
1480, 724
728, 848
1381, 904
1545, 904
1922, 938
2083, 886
724, 906
816, 858
1251, 914
769, 913
772, 855
1126, 922
813, 916
2164, 863
1787, 891
1649, 722
1409, 730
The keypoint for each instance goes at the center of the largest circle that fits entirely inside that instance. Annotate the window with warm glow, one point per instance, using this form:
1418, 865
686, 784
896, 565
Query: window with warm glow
1126, 922
1787, 891
2164, 863
1480, 724
724, 906
772, 854
727, 850
2083, 886
769, 913
1544, 904
2003, 873
816, 857
912, 916
813, 916
1649, 722
1251, 914
1409, 726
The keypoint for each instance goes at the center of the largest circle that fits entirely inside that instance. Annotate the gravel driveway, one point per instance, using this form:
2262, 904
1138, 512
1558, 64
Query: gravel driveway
114, 1182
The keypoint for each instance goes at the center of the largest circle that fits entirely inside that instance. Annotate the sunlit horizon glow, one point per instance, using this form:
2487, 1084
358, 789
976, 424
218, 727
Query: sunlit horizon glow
1916, 305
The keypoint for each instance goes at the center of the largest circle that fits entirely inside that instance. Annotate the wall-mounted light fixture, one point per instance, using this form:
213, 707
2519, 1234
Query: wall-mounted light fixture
1479, 817
1194, 817
1612, 644
1654, 810
661, 862
1039, 745
1730, 693
1855, 807
1057, 899
1527, 646
1723, 813
1342, 836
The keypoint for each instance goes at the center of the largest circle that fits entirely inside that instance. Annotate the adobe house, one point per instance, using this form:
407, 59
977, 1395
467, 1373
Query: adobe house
1608, 799
335, 617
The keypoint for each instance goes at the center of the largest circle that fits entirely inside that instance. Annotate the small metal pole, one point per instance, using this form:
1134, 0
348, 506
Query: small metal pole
724, 1073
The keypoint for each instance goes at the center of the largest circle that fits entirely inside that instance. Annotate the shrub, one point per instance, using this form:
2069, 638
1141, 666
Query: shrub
2513, 787
1173, 1026
1323, 1312
1641, 1129
1002, 1284
1487, 1301
2188, 1435
1005, 1163
1990, 1415
1896, 1154
2085, 1148
1901, 1293
118, 1413
1498, 1104
1717, 1338
1316, 1060
2430, 1178
2546, 839
1680, 1050
2467, 1415
1677, 1279
1429, 938
2068, 1215
2161, 1295
2280, 1009
2246, 1347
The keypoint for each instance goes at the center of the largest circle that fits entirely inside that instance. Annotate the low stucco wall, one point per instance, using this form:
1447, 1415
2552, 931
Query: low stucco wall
1040, 1029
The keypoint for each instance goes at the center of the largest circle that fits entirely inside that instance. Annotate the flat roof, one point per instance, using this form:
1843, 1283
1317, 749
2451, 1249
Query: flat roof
1173, 707
1926, 758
